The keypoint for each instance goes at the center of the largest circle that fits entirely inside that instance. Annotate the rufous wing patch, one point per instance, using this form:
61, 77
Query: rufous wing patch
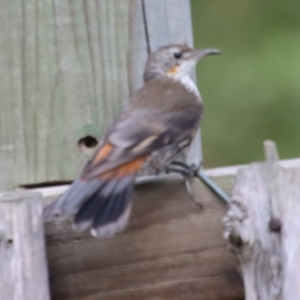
103, 153
127, 169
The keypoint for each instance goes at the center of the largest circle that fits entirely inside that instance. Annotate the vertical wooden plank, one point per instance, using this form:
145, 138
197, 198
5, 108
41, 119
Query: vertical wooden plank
138, 47
23, 271
169, 22
64, 71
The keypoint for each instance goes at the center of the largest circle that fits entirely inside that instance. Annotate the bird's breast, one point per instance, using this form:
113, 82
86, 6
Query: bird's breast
189, 85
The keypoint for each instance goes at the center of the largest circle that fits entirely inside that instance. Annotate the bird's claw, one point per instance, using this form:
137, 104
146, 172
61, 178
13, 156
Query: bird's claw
193, 171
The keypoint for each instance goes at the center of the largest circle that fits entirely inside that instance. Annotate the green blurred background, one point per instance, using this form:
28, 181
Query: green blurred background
252, 91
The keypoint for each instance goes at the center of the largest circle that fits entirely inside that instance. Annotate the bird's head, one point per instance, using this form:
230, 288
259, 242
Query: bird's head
174, 61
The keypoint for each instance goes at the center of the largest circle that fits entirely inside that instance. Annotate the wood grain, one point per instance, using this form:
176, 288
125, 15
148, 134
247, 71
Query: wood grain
262, 226
63, 70
23, 271
171, 250
67, 68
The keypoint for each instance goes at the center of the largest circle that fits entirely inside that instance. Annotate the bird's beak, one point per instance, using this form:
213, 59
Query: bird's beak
197, 54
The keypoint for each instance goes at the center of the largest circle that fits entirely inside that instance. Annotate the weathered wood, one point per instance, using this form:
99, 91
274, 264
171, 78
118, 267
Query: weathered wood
63, 69
263, 228
171, 250
66, 68
131, 259
23, 271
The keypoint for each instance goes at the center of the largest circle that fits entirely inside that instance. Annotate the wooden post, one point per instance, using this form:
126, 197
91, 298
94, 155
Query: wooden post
263, 228
23, 271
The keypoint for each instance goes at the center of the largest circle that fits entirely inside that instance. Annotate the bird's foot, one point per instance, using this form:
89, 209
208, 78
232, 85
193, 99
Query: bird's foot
193, 171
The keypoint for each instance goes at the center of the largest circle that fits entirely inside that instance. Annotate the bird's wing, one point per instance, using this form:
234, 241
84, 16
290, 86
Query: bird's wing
137, 133
100, 198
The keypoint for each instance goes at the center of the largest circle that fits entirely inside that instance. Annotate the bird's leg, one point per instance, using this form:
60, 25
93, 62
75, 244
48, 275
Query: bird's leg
187, 172
187, 180
193, 171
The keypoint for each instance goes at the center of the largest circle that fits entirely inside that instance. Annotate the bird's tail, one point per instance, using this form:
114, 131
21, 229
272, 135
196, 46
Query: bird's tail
102, 205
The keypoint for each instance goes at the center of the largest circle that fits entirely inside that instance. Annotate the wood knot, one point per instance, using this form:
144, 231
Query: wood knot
87, 144
3, 239
9, 242
235, 240
275, 225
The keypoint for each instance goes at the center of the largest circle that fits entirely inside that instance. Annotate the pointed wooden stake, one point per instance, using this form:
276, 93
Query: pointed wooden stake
263, 228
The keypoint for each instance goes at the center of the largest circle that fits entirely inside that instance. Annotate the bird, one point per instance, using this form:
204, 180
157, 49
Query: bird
159, 122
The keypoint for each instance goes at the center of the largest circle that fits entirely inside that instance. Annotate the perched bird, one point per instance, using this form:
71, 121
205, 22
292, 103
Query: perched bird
159, 122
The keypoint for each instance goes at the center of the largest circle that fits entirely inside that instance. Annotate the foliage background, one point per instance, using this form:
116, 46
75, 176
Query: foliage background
252, 91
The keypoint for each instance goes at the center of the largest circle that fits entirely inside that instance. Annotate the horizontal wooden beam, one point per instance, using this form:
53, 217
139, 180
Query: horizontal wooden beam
171, 249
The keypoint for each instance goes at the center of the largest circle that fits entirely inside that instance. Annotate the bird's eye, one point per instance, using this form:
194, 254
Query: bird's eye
177, 55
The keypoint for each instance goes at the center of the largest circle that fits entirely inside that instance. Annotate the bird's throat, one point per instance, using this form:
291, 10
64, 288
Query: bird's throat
188, 83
